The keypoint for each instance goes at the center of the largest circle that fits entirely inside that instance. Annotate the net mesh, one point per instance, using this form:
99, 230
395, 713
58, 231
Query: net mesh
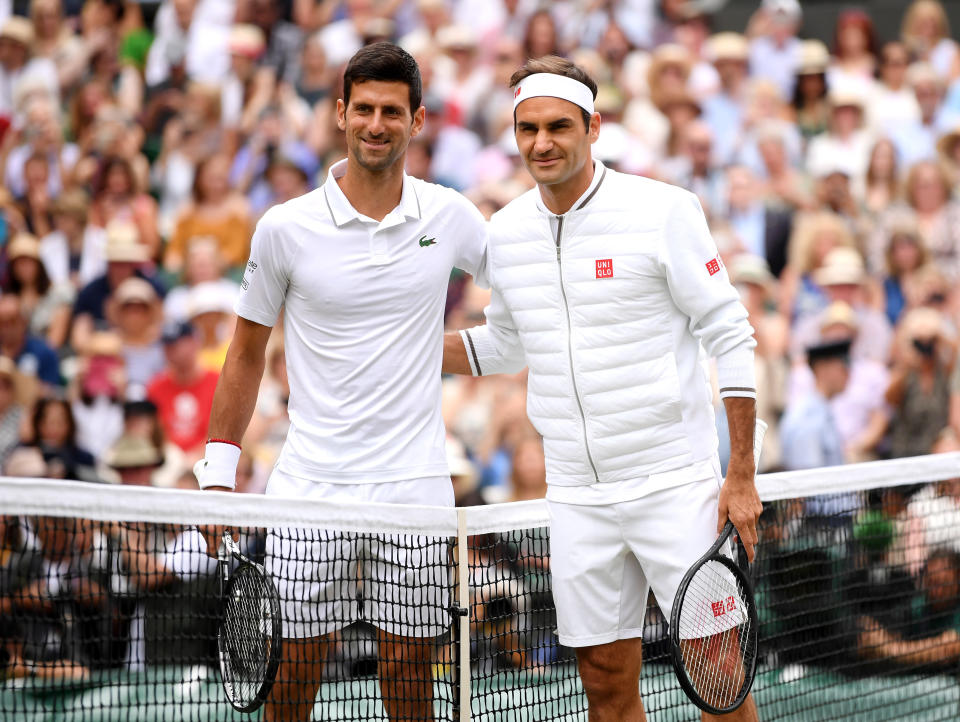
109, 605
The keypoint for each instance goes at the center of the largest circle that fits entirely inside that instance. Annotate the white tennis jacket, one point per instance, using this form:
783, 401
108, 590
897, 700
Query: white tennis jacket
612, 306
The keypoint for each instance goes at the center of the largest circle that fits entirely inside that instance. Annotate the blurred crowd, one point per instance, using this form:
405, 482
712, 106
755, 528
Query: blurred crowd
140, 142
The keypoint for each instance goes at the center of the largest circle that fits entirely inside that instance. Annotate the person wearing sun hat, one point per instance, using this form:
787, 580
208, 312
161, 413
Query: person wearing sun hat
845, 137
724, 111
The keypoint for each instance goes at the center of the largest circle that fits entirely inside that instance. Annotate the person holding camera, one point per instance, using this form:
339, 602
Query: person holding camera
919, 390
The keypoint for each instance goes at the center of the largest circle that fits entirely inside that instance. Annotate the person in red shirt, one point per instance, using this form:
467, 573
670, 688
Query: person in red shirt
183, 391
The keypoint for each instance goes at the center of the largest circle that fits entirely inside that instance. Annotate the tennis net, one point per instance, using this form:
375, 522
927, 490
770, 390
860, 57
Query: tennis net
109, 604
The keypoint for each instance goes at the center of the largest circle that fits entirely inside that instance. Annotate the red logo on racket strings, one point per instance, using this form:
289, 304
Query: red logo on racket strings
605, 268
714, 265
723, 606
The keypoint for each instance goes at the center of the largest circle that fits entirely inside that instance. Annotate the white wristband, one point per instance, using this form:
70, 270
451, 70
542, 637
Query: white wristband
218, 467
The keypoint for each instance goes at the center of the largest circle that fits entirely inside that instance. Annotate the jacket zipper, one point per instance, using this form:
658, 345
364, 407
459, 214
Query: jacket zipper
573, 375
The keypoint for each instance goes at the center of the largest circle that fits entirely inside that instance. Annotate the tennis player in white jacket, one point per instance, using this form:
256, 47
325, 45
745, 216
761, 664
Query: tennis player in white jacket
610, 288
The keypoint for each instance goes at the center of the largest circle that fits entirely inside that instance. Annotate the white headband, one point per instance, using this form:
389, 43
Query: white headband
552, 85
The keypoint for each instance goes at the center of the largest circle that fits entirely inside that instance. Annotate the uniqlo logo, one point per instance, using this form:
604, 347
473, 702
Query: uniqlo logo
718, 608
731, 604
605, 268
713, 266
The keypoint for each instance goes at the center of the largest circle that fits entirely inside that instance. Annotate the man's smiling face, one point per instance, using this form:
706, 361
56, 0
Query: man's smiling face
379, 123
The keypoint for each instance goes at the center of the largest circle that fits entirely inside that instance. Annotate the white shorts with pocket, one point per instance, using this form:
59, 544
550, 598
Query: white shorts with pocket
327, 580
605, 559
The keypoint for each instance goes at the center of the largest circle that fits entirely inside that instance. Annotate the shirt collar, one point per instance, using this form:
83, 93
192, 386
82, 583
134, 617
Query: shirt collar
343, 212
599, 171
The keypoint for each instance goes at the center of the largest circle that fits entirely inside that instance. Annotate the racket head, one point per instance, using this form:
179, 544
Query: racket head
713, 633
249, 638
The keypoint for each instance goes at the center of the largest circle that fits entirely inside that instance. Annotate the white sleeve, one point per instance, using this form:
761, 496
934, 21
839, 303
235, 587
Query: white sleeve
472, 246
701, 289
267, 274
494, 348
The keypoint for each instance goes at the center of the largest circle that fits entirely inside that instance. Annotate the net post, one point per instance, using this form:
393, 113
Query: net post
462, 713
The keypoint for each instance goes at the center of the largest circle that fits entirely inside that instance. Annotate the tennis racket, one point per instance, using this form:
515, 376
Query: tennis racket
713, 624
250, 636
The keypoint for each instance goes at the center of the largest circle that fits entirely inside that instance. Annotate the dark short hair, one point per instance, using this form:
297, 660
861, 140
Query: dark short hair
387, 62
558, 66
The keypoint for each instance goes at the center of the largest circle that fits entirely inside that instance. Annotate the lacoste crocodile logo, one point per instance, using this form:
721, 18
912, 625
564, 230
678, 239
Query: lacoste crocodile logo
424, 241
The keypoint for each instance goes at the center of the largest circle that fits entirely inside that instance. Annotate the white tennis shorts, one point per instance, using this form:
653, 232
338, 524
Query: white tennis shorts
605, 559
327, 580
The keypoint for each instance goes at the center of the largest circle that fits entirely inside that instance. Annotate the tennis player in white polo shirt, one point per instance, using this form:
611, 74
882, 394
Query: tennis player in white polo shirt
360, 266
610, 289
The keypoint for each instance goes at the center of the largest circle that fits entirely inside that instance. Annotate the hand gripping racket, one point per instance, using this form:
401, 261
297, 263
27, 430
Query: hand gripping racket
250, 636
713, 624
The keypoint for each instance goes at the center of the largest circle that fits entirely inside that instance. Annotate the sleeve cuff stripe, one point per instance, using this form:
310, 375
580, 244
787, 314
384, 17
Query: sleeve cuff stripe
473, 352
745, 389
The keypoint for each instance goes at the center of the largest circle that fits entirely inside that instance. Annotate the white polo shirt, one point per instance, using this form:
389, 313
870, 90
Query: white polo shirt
363, 325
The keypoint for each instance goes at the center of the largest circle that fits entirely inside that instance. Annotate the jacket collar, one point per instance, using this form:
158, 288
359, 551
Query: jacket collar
343, 212
599, 173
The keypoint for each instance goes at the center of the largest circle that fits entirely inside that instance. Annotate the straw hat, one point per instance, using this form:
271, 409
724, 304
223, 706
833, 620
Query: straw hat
123, 243
839, 312
814, 58
19, 29
26, 461
208, 297
103, 343
24, 245
727, 46
845, 98
73, 202
246, 40
748, 268
454, 37
669, 54
134, 290
842, 266
132, 452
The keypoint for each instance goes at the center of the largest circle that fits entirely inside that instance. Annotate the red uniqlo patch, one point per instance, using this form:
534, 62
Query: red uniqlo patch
731, 604
605, 268
713, 266
718, 609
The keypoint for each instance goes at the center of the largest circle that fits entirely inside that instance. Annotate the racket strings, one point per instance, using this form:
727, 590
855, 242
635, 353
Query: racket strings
247, 635
716, 638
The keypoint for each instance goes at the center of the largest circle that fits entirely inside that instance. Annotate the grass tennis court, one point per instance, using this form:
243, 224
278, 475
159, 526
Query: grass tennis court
176, 694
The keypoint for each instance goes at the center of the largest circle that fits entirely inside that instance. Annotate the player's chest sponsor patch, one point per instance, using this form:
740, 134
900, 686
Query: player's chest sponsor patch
604, 268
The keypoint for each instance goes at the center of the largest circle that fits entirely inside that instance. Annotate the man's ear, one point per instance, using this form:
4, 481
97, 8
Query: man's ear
419, 115
594, 129
341, 114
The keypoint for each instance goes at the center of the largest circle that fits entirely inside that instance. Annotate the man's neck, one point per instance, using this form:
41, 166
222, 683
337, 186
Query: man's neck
374, 194
560, 198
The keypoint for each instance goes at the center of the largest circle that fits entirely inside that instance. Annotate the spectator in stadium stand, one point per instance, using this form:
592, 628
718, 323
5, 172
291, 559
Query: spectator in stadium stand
937, 215
203, 264
842, 277
463, 474
761, 230
881, 187
16, 63
116, 197
216, 211
15, 403
724, 111
813, 236
695, 169
35, 202
845, 140
808, 431
136, 314
48, 305
859, 410
285, 180
183, 35
916, 140
948, 148
126, 258
905, 255
893, 101
183, 391
98, 389
74, 251
591, 487
784, 186
955, 399
40, 133
31, 354
210, 312
926, 34
919, 390
854, 61
142, 419
810, 105
930, 639
283, 38
933, 514
54, 432
774, 47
